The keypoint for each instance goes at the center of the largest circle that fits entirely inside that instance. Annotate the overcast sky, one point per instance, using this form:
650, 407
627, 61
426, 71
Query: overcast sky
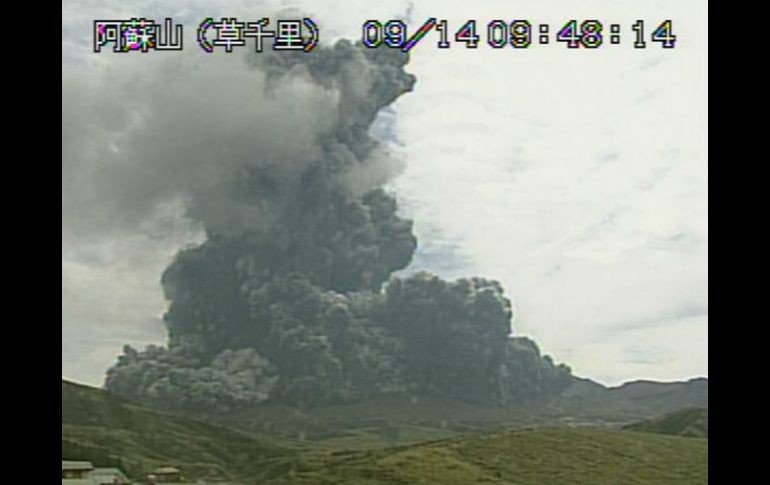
578, 178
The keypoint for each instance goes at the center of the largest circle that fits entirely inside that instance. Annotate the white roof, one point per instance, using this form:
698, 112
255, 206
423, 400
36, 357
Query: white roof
76, 465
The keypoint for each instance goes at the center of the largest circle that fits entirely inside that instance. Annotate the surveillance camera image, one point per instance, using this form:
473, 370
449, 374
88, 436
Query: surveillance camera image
408, 242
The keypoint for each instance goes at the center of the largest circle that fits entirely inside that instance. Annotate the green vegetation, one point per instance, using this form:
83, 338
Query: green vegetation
389, 441
633, 400
377, 423
692, 422
100, 427
399, 420
554, 456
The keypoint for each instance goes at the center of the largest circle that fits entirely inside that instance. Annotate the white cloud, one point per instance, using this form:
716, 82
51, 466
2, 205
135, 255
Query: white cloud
578, 178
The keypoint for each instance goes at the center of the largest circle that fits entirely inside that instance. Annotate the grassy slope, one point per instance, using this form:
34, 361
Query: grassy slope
144, 439
402, 420
461, 451
378, 423
691, 422
632, 401
554, 456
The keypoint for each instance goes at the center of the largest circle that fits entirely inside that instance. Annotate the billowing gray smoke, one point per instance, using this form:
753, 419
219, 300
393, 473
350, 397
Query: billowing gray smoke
290, 298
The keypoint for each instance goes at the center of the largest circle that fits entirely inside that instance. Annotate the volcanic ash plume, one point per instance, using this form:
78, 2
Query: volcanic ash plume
290, 299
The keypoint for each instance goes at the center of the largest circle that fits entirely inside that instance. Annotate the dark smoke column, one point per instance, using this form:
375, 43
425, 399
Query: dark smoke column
290, 307
318, 232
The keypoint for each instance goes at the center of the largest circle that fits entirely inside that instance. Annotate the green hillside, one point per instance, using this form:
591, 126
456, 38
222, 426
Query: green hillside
401, 420
100, 427
377, 423
554, 456
692, 422
354, 444
631, 401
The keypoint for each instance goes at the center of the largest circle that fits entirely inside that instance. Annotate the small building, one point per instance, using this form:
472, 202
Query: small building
84, 473
110, 476
77, 472
167, 474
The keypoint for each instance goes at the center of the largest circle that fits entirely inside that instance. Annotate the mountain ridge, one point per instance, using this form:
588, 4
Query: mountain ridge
269, 443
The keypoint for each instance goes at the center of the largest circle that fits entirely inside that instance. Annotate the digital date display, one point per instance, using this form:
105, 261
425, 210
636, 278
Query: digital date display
518, 34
